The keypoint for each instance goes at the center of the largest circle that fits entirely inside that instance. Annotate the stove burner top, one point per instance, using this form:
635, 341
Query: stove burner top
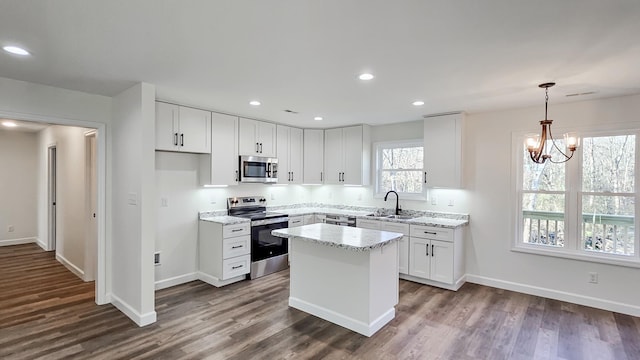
260, 215
251, 207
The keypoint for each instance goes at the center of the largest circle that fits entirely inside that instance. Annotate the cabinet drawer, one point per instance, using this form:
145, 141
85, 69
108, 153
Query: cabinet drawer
429, 232
236, 266
295, 221
236, 230
368, 224
236, 246
395, 227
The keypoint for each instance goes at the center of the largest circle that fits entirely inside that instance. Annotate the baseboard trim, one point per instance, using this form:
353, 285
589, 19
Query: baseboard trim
140, 319
18, 241
176, 280
42, 245
347, 322
70, 266
453, 287
608, 305
212, 280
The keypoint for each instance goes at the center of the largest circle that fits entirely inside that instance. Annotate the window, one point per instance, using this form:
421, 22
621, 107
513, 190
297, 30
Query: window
585, 207
400, 167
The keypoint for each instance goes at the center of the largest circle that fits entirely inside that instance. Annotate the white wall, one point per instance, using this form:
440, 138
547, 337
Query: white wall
71, 221
18, 179
133, 203
488, 180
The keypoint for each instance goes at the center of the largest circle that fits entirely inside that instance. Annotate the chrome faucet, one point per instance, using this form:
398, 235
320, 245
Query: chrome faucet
397, 200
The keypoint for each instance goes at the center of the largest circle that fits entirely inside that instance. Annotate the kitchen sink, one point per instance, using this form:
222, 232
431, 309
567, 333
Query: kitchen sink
399, 217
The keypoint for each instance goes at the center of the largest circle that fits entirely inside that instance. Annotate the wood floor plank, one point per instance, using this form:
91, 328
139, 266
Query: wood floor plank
47, 312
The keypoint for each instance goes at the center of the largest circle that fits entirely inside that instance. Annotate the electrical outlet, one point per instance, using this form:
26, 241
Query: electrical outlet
451, 202
273, 197
11, 228
593, 277
156, 258
164, 202
434, 200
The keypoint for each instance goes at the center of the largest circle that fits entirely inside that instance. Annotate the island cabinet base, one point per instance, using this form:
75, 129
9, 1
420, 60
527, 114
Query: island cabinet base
357, 290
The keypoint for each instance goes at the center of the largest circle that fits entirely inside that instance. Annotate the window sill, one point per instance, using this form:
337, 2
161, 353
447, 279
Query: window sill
618, 261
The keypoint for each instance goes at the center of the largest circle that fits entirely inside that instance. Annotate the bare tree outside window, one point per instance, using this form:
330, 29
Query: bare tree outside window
400, 167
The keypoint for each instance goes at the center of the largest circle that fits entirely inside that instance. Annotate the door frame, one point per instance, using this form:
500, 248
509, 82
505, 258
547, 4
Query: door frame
103, 268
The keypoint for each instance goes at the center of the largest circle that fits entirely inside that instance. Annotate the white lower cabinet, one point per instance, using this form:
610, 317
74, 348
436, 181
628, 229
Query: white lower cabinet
224, 252
403, 243
436, 256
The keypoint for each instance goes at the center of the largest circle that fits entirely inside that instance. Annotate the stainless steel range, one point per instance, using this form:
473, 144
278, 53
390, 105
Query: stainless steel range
268, 252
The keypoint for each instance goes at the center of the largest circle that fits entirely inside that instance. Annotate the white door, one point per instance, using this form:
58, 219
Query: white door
195, 130
249, 144
167, 132
282, 153
91, 241
267, 138
51, 171
420, 257
295, 155
352, 140
224, 164
313, 162
442, 261
333, 156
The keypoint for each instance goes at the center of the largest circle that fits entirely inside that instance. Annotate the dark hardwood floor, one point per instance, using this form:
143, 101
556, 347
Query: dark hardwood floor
47, 312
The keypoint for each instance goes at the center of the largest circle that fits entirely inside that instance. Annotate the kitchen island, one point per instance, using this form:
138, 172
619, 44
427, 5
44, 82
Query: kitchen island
345, 275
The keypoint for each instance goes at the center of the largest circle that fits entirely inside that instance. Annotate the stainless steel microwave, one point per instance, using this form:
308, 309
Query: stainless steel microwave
258, 169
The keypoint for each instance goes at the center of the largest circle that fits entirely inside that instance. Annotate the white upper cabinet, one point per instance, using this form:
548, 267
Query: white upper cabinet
313, 156
443, 151
257, 138
221, 168
289, 153
183, 129
347, 155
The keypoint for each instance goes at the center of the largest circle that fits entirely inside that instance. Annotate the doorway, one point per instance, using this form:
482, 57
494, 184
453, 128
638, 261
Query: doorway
51, 189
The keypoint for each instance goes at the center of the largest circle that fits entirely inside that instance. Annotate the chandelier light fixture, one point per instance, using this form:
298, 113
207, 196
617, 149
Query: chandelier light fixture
539, 149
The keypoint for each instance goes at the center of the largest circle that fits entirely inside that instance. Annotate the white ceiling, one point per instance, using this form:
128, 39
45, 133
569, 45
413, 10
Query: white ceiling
306, 55
22, 126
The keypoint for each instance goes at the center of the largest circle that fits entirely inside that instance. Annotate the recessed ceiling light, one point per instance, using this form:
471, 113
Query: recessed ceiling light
365, 76
9, 124
254, 103
418, 103
15, 50
317, 118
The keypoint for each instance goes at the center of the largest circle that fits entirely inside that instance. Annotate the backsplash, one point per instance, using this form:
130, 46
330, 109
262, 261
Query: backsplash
377, 211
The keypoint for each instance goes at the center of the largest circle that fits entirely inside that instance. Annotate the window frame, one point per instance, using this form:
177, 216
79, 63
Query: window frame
378, 147
573, 246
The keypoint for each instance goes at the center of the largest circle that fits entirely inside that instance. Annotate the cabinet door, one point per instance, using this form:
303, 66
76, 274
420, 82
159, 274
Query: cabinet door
442, 151
266, 138
441, 261
295, 221
420, 257
403, 255
282, 145
195, 130
223, 168
352, 149
333, 156
368, 224
248, 137
295, 155
313, 162
309, 219
167, 132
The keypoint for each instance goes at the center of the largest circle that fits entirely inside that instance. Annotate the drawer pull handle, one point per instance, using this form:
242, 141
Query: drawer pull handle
236, 247
236, 230
236, 267
431, 232
431, 250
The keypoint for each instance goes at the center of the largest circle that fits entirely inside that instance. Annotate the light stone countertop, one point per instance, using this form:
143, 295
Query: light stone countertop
225, 219
340, 236
324, 210
438, 222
